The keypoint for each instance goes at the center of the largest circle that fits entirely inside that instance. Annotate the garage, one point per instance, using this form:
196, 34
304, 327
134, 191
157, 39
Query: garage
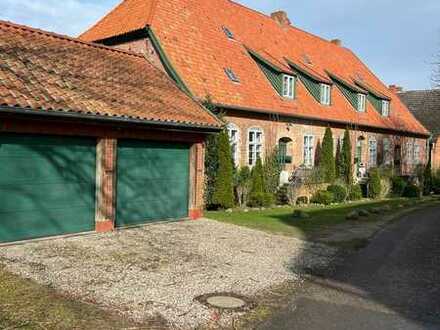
47, 186
152, 182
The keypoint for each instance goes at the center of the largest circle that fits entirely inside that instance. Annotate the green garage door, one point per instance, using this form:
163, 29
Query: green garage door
152, 182
47, 186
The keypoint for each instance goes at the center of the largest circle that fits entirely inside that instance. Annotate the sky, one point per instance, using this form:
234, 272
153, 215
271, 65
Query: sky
398, 40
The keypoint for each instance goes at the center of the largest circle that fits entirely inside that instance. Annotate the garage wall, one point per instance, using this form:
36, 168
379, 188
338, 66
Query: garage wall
107, 139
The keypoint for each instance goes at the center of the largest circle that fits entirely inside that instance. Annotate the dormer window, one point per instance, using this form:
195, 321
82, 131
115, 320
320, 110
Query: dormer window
228, 33
231, 75
385, 108
288, 86
362, 102
325, 94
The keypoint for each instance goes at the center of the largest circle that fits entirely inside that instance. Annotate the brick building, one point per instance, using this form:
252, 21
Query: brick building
425, 106
276, 84
92, 138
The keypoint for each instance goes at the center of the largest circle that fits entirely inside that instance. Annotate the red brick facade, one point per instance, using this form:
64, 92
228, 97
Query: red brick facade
107, 137
295, 130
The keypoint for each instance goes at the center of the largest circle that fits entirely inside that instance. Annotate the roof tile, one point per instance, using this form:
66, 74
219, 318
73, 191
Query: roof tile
41, 70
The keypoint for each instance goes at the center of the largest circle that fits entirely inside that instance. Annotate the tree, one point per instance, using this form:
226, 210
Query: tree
272, 171
346, 167
318, 152
243, 183
211, 168
257, 176
327, 163
338, 160
223, 194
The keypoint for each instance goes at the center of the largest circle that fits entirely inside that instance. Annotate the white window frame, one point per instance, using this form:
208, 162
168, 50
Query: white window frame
288, 86
234, 140
362, 102
232, 76
255, 145
308, 150
385, 108
372, 152
326, 91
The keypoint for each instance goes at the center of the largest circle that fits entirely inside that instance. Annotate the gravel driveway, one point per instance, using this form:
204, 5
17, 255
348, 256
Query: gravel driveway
160, 269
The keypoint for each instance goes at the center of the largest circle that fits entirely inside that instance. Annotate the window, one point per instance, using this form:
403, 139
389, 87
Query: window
308, 150
417, 159
325, 94
231, 75
288, 86
234, 139
410, 152
385, 108
228, 33
362, 100
373, 153
387, 153
255, 145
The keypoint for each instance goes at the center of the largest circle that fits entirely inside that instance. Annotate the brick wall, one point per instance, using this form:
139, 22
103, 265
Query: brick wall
142, 46
107, 137
295, 130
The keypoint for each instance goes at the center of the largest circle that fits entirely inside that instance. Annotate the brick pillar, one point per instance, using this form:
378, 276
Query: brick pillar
197, 178
106, 180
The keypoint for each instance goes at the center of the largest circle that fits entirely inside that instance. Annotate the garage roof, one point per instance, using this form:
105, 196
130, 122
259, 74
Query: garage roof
48, 72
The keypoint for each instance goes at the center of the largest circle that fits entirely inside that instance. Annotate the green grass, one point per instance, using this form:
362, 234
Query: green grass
25, 304
282, 221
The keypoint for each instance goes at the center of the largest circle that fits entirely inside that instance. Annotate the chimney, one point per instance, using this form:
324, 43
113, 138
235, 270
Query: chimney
395, 89
336, 42
281, 18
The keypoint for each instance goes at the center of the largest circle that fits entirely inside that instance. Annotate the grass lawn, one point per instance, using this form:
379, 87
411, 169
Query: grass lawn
27, 305
282, 221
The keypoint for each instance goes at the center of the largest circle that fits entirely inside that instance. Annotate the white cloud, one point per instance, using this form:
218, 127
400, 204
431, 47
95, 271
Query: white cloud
69, 17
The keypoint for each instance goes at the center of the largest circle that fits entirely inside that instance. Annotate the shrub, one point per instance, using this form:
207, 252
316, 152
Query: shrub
339, 193
436, 182
355, 192
257, 178
302, 200
282, 195
427, 180
327, 162
223, 194
242, 185
261, 200
374, 184
398, 185
412, 191
322, 197
271, 172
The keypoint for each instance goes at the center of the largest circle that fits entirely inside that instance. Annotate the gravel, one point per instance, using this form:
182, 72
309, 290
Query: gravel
160, 269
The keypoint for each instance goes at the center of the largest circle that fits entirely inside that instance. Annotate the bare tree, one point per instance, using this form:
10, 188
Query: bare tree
436, 72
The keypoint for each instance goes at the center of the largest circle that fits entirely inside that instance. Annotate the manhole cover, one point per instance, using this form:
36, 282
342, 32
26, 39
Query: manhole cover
226, 300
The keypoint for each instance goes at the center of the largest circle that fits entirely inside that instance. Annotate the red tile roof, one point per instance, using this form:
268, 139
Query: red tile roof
48, 72
190, 32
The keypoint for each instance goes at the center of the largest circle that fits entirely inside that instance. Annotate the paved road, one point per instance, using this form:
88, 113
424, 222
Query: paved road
394, 283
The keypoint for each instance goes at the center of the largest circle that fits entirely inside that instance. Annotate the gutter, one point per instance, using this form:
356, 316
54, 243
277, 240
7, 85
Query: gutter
111, 120
340, 122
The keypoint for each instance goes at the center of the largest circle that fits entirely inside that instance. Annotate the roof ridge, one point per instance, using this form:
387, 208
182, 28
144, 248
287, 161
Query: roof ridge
65, 37
289, 26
